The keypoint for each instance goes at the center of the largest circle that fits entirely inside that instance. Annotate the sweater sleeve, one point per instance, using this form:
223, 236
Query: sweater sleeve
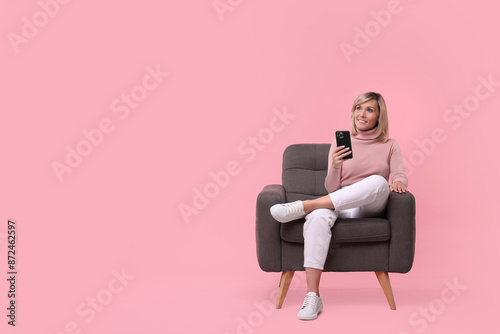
332, 180
396, 165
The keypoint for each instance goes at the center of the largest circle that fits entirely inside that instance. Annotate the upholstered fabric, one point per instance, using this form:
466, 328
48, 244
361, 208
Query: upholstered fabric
344, 230
369, 244
304, 171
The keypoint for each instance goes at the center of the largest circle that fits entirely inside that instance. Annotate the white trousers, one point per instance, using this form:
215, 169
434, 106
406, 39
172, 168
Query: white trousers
367, 197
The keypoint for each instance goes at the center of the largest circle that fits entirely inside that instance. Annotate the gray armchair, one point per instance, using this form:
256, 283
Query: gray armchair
382, 245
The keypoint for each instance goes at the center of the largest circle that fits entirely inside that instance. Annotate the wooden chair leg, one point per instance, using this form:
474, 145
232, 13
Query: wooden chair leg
286, 279
385, 283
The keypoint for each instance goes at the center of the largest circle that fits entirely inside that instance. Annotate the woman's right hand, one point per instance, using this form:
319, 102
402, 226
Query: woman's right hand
338, 154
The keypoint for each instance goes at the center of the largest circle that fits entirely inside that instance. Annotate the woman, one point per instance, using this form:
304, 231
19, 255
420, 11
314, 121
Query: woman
357, 187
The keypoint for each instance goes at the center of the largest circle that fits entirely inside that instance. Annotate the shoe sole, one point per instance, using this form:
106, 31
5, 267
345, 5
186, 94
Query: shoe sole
283, 221
312, 316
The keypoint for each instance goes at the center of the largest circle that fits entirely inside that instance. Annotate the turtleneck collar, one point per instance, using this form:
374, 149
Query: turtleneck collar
365, 135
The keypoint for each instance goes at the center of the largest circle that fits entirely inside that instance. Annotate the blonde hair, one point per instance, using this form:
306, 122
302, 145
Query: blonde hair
382, 132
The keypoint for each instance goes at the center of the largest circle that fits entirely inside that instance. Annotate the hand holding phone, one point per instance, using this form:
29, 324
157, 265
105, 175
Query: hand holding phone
344, 139
338, 154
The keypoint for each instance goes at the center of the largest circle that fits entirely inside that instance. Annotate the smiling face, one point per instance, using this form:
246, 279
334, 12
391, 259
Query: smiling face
366, 115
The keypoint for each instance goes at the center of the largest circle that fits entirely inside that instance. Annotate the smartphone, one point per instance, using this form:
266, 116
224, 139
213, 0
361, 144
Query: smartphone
344, 139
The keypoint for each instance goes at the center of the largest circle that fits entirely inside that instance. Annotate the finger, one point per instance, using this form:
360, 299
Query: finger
345, 154
402, 187
342, 149
398, 186
338, 148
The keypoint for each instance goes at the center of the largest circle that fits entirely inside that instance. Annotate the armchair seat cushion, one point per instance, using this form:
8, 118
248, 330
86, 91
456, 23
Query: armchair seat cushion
345, 230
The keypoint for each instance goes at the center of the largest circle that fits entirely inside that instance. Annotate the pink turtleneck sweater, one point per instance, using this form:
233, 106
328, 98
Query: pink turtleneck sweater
370, 157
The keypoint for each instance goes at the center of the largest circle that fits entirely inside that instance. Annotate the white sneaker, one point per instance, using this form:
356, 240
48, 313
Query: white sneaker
288, 211
311, 307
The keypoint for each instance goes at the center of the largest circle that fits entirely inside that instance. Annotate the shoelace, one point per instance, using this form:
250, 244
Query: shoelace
310, 301
292, 208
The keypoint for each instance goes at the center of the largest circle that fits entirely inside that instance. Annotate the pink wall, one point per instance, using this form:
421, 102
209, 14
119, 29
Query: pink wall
114, 115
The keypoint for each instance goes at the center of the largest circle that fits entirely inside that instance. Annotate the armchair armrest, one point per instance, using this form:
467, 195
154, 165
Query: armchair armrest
267, 229
401, 216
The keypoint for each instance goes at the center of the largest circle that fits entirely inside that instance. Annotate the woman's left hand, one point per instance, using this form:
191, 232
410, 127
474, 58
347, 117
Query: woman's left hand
398, 187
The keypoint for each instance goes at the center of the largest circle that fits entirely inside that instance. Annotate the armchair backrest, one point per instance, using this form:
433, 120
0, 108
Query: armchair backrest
304, 171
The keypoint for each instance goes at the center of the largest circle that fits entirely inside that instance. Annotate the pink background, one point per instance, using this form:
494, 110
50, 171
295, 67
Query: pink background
118, 210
